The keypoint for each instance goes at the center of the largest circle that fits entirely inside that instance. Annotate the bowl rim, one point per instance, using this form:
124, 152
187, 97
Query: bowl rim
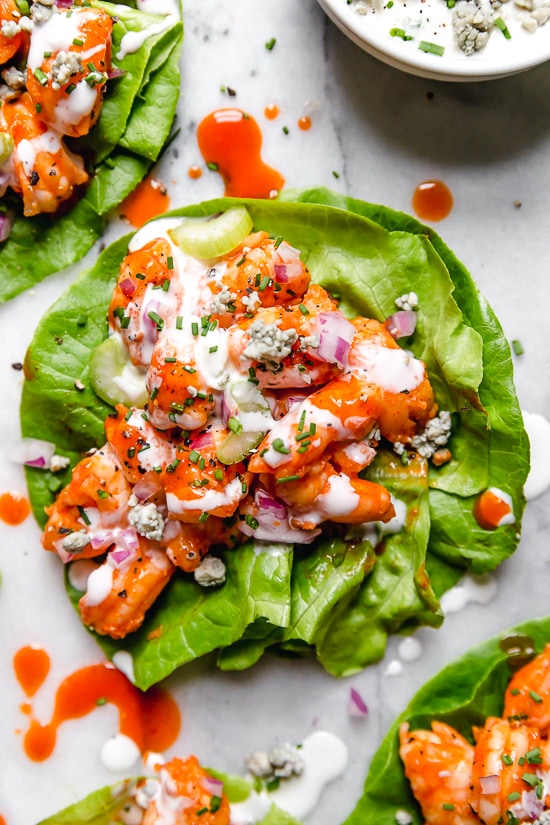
476, 67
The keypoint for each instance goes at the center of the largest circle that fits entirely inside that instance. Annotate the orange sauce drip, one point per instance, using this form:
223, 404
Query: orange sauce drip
151, 719
148, 200
2, 820
14, 508
304, 123
272, 111
232, 141
31, 666
489, 510
432, 200
194, 172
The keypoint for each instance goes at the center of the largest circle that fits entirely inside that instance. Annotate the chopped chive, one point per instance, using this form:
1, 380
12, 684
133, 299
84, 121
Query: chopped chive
77, 41
171, 468
213, 349
389, 4
166, 285
70, 88
264, 283
280, 447
47, 54
286, 130
128, 415
172, 417
144, 447
202, 811
38, 107
140, 276
451, 4
500, 24
157, 320
507, 759
431, 48
194, 328
395, 32
515, 691
83, 514
517, 347
179, 321
534, 756
189, 369
244, 487
194, 456
218, 474
199, 482
170, 360
303, 309
102, 494
513, 796
270, 44
305, 447
213, 166
202, 395
521, 760
448, 806
41, 76
215, 804
252, 522
303, 435
278, 241
287, 478
154, 393
335, 174
101, 701
235, 425
535, 697
203, 517
170, 262
302, 421
313, 428
91, 67
241, 262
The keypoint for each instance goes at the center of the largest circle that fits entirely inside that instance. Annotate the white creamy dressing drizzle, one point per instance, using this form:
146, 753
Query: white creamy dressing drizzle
476, 589
395, 370
286, 427
56, 34
207, 500
99, 585
340, 498
27, 150
159, 452
538, 430
79, 571
119, 753
72, 108
325, 757
394, 668
123, 661
409, 649
133, 41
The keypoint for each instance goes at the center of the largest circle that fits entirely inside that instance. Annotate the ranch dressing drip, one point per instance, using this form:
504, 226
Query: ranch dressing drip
27, 150
133, 41
72, 108
56, 34
538, 430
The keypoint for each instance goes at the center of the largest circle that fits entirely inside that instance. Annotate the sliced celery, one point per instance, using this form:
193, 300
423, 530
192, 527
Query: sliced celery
113, 377
213, 237
6, 146
236, 446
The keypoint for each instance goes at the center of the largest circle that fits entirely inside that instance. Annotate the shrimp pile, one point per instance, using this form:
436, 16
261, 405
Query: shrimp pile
504, 779
184, 794
265, 405
67, 55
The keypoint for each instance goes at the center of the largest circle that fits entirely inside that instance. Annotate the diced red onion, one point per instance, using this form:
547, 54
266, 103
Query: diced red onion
287, 253
212, 786
128, 287
62, 553
129, 539
202, 440
287, 273
273, 523
401, 324
101, 538
146, 488
489, 784
356, 705
335, 337
531, 807
229, 407
33, 452
122, 557
266, 503
64, 4
6, 218
151, 331
114, 72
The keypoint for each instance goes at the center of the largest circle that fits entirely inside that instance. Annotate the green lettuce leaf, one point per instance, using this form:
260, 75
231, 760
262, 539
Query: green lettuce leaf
133, 127
463, 694
330, 598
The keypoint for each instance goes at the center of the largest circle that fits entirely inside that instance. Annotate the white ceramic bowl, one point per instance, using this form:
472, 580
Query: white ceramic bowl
431, 21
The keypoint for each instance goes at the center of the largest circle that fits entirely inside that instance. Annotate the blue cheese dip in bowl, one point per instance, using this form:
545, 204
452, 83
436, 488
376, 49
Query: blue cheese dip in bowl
453, 40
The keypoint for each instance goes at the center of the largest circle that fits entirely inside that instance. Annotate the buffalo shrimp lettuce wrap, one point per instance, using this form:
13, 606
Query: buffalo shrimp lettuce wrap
472, 744
80, 125
292, 425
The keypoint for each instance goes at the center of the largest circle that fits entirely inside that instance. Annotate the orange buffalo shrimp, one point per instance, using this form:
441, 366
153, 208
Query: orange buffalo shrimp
9, 46
98, 490
527, 696
438, 764
347, 408
147, 292
45, 173
260, 272
139, 447
503, 755
324, 494
190, 794
199, 486
117, 599
408, 396
189, 543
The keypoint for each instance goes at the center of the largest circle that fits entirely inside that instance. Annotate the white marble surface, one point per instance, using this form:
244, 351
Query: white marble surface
383, 132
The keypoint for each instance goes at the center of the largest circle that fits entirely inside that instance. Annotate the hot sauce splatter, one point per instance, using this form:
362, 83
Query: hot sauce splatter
194, 172
432, 200
31, 666
230, 142
152, 720
14, 508
2, 820
493, 509
304, 123
271, 111
148, 200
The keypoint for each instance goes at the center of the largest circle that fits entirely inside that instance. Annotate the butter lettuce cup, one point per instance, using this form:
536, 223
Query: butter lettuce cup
295, 528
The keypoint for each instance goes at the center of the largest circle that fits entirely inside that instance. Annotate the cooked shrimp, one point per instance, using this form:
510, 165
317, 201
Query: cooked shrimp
341, 410
276, 344
97, 493
527, 697
139, 447
43, 170
189, 543
147, 292
9, 46
501, 759
198, 485
438, 764
408, 396
261, 272
117, 599
324, 494
68, 84
190, 794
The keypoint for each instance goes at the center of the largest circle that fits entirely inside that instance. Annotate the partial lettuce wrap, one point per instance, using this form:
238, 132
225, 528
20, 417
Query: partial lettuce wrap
463, 694
334, 598
134, 125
